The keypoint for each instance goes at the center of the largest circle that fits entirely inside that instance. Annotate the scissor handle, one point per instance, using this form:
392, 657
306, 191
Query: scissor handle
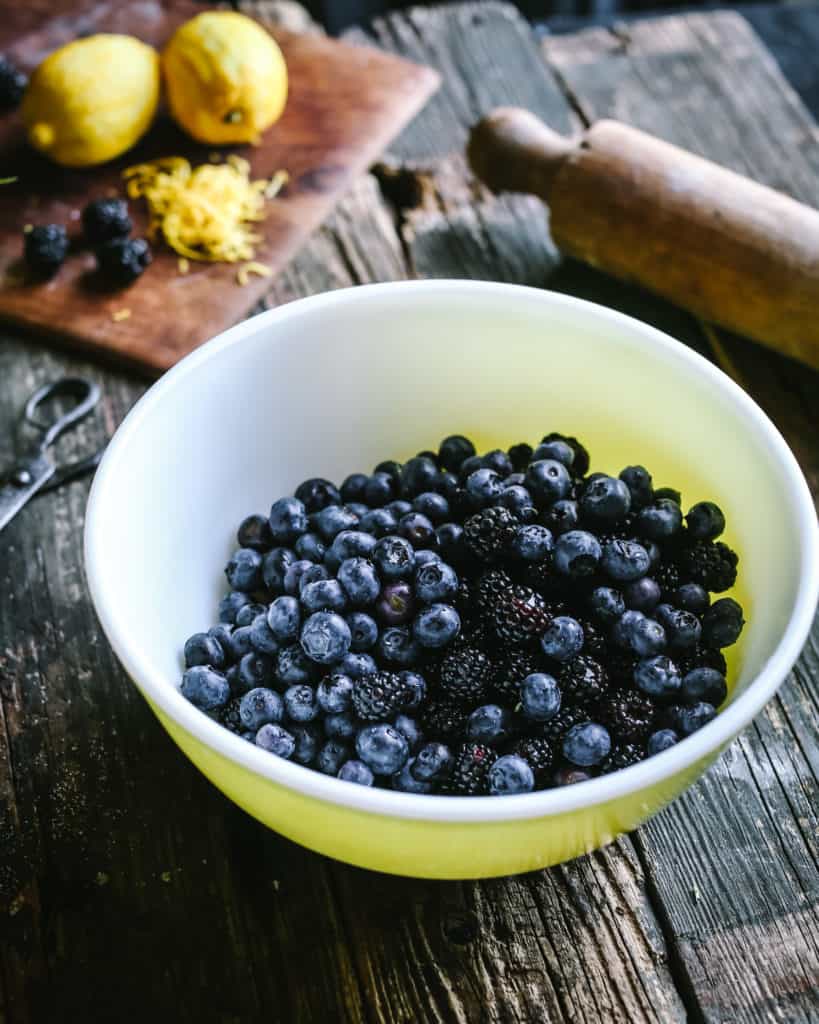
85, 392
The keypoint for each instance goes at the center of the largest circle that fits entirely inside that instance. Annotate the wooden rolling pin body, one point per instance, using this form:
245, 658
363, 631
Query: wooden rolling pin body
729, 249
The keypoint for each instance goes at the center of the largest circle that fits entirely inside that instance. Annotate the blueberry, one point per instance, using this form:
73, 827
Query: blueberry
657, 677
668, 494
548, 481
586, 744
288, 520
293, 666
436, 625
325, 637
391, 468
691, 597
396, 604
399, 508
425, 556
638, 481
562, 517
605, 500
254, 532
659, 521
204, 649
276, 740
514, 480
655, 555
454, 450
642, 595
308, 740
260, 706
484, 487
332, 756
379, 522
416, 687
221, 634
469, 466
241, 643
660, 741
262, 638
490, 724
663, 612
356, 771
405, 782
532, 543
294, 573
563, 638
432, 505
284, 618
247, 613
682, 629
324, 595
300, 703
410, 730
313, 574
311, 547
607, 604
636, 632
358, 508
449, 541
335, 693
689, 719
382, 748
352, 544
379, 489
363, 631
539, 697
417, 476
317, 493
520, 455
722, 623
330, 521
394, 558
568, 775
417, 529
229, 605
557, 450
205, 688
255, 670
356, 665
353, 487
705, 521
396, 645
342, 725
432, 762
275, 566
516, 498
625, 560
577, 553
435, 581
244, 570
510, 775
498, 461
704, 684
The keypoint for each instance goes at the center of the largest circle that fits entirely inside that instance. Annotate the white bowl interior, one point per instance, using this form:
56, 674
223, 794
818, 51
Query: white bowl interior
335, 384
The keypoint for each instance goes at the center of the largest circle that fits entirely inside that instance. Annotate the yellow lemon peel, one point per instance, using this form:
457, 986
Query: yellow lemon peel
205, 212
259, 269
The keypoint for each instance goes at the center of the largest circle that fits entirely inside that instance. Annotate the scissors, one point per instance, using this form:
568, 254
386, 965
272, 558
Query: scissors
38, 472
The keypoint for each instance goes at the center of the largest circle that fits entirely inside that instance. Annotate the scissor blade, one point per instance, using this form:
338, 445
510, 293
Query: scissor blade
12, 497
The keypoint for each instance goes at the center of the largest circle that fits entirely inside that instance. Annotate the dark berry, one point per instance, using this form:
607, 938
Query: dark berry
705, 521
667, 577
489, 723
704, 684
722, 623
13, 84
627, 715
561, 517
688, 720
454, 450
538, 755
436, 581
356, 771
519, 614
397, 646
275, 566
44, 249
106, 219
260, 706
488, 534
470, 770
325, 637
580, 463
276, 740
230, 718
712, 565
254, 532
379, 489
583, 681
490, 587
432, 763
204, 649
301, 704
557, 449
355, 665
513, 666
122, 260
547, 481
586, 744
657, 677
293, 666
394, 558
607, 605
569, 775
332, 755
553, 731
622, 756
432, 505
510, 775
378, 696
444, 720
661, 740
691, 597
638, 481
335, 693
682, 629
625, 560
642, 595
417, 476
466, 675
659, 521
531, 543
562, 639
577, 553
520, 455
330, 521
322, 594
436, 626
317, 493
539, 697
605, 500
382, 748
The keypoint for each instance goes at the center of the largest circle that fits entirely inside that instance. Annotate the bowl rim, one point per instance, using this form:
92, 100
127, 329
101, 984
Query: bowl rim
707, 742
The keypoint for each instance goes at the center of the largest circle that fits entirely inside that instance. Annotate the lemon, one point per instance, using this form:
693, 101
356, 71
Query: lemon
92, 99
225, 77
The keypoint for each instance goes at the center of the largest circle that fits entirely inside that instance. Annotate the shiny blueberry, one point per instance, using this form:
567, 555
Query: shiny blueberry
330, 521
704, 684
262, 637
300, 703
357, 772
256, 670
638, 481
325, 637
510, 775
425, 556
276, 740
689, 719
396, 645
308, 739
499, 461
331, 757
335, 693
539, 697
436, 625
548, 481
516, 498
660, 741
432, 505
483, 487
353, 487
586, 744
435, 581
355, 665
722, 623
469, 466
352, 544
244, 570
532, 543
205, 688
363, 631
240, 643
607, 604
358, 508
342, 725
247, 613
659, 521
323, 595
293, 666
259, 706
605, 500
625, 560
288, 520
254, 532
417, 529
432, 762
399, 508
563, 638
577, 553
682, 628
317, 493
416, 688
449, 541
490, 724
642, 595
312, 575
405, 782
396, 604
382, 748
275, 566
561, 517
204, 649
359, 580
394, 558
410, 730
454, 450
417, 476
293, 574
657, 677
557, 450
311, 547
691, 597
378, 522
705, 521
284, 618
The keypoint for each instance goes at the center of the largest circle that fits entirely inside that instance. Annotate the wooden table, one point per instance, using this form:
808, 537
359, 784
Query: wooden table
130, 889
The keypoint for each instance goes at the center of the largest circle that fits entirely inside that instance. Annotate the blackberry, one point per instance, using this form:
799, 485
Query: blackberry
122, 260
444, 720
594, 642
514, 665
542, 578
229, 716
490, 586
465, 674
622, 756
627, 715
620, 667
105, 219
711, 564
583, 681
538, 754
520, 454
488, 533
44, 249
519, 614
378, 696
13, 84
472, 764
667, 577
703, 657
556, 728
465, 600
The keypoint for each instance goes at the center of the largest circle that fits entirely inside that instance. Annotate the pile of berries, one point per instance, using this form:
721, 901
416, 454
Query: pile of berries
106, 229
469, 625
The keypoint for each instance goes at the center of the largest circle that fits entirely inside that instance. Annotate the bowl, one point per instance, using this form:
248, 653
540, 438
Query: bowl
333, 384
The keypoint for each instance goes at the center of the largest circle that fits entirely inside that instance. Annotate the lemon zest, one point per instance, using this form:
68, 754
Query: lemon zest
205, 212
243, 273
183, 265
120, 314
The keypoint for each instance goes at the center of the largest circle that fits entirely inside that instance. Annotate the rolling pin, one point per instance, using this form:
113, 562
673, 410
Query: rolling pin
728, 249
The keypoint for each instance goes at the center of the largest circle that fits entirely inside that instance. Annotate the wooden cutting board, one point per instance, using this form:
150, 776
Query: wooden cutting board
345, 104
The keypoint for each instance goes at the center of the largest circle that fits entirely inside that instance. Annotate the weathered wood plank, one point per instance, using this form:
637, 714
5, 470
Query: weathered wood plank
735, 863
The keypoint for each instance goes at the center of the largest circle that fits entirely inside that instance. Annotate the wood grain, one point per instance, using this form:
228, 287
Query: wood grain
344, 106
